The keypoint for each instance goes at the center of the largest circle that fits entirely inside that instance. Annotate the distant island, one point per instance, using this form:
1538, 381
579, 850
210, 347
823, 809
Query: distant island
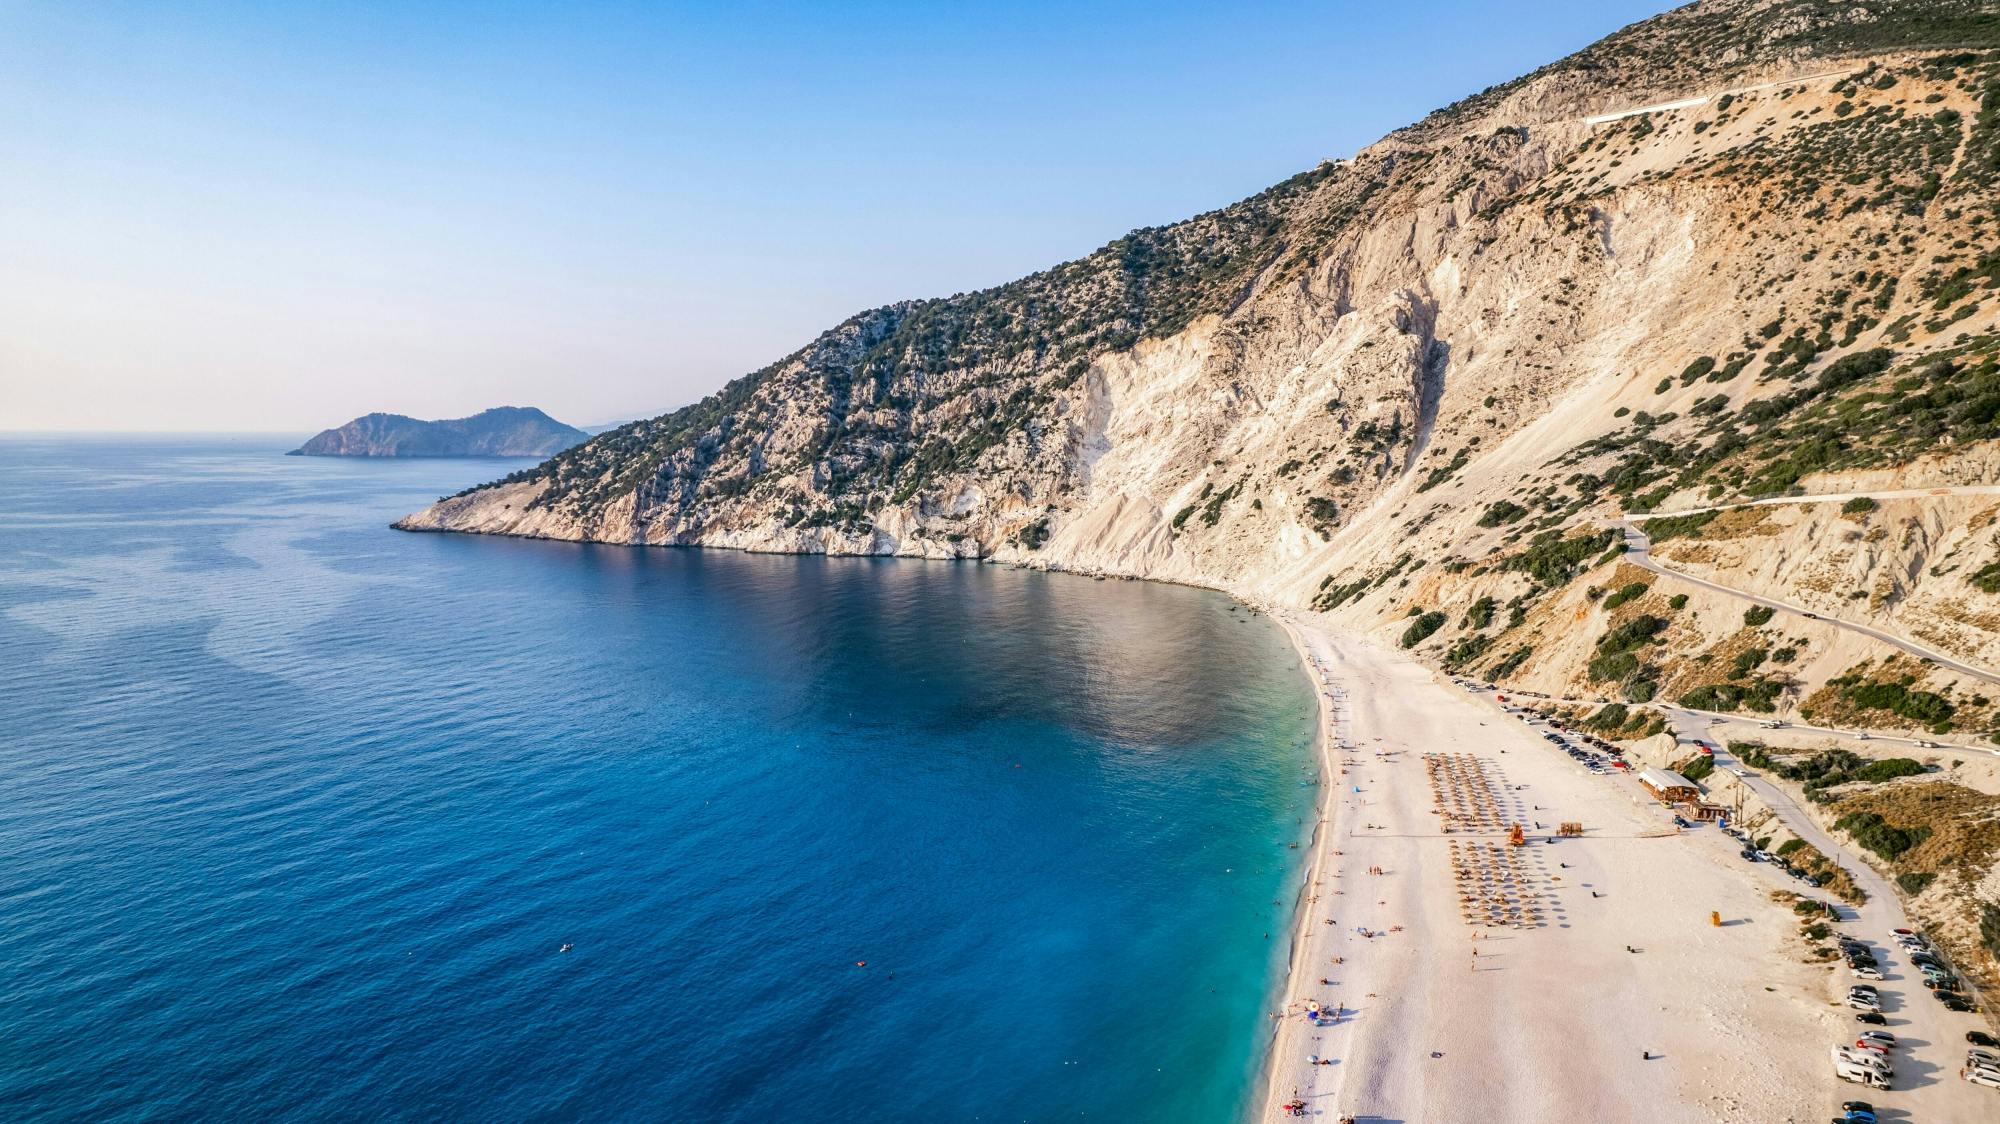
504, 431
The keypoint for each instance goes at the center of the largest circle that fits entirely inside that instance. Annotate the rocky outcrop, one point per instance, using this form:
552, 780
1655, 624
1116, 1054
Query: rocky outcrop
1411, 388
1417, 381
504, 431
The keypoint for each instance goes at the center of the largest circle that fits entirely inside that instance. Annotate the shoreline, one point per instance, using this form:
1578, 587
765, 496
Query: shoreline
1325, 735
1542, 1024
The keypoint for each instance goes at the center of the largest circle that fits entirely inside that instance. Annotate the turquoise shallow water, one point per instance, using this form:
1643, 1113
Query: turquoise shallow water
299, 811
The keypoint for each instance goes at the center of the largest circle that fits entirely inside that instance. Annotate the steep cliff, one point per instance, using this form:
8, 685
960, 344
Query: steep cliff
1739, 251
1419, 380
504, 431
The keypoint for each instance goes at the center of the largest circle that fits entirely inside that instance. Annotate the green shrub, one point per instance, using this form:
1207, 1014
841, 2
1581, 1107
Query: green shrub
1747, 661
1879, 835
1422, 627
1481, 613
1501, 512
1628, 593
1467, 649
1699, 768
1677, 602
1754, 754
1859, 505
1676, 526
1854, 368
1917, 706
1613, 666
1914, 882
1887, 769
1757, 616
1986, 579
1697, 369
1553, 560
1633, 634
1610, 717
1760, 695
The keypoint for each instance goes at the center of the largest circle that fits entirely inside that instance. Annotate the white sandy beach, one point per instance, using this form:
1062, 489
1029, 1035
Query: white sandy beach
1549, 1021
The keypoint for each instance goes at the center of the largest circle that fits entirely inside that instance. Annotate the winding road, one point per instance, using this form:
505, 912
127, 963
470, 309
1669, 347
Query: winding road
1834, 497
1638, 551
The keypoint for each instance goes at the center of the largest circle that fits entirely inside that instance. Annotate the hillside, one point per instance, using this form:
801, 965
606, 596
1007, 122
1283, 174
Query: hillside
504, 431
1416, 389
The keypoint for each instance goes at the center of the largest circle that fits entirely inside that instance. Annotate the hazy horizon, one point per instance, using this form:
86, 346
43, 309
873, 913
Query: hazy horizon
262, 220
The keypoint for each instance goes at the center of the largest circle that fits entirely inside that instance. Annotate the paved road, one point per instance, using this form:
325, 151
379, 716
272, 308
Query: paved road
1701, 99
1931, 1040
1638, 551
1690, 718
1833, 497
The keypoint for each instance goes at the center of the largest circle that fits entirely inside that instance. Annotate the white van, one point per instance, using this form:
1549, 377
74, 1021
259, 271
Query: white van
1866, 1059
1859, 1074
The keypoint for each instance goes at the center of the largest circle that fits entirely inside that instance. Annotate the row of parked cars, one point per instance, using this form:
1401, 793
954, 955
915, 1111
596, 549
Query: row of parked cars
1586, 749
1868, 1060
1939, 978
1752, 854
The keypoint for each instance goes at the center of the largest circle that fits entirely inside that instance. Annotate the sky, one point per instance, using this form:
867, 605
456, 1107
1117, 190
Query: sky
276, 217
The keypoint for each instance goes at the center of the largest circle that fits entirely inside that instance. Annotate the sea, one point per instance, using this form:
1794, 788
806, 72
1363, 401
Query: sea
304, 818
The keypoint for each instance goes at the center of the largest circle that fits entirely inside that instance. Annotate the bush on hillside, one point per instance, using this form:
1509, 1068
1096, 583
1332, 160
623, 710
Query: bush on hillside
1879, 835
1422, 627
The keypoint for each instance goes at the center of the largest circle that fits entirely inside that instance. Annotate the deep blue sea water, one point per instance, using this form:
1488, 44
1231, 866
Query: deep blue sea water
296, 812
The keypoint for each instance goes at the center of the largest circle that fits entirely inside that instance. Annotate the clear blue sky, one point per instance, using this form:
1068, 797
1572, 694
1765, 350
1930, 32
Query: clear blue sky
276, 217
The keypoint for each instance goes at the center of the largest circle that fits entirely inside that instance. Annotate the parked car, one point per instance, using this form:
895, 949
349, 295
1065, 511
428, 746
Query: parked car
1981, 1038
1864, 1003
1857, 1112
1987, 1077
1871, 1018
1955, 1002
1882, 1036
1871, 1046
1980, 1056
1866, 972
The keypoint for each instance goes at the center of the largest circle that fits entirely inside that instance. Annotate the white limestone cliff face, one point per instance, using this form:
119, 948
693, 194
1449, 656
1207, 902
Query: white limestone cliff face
1361, 364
